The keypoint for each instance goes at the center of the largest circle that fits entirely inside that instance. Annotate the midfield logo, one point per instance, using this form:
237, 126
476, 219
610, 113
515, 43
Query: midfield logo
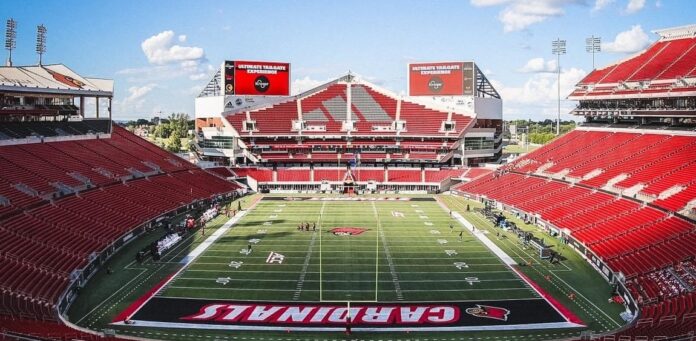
347, 231
489, 312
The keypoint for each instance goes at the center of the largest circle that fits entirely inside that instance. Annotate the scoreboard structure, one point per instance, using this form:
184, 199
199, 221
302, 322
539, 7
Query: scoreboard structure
441, 79
248, 78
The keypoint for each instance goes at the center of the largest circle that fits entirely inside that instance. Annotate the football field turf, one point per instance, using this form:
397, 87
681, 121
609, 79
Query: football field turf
373, 252
407, 252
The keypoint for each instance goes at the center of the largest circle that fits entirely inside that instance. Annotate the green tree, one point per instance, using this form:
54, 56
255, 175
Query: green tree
173, 143
142, 122
162, 131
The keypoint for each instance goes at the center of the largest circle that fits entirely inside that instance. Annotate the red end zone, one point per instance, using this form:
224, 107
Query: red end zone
521, 314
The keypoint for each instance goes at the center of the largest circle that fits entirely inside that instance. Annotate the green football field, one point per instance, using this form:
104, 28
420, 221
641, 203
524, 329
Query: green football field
402, 256
361, 252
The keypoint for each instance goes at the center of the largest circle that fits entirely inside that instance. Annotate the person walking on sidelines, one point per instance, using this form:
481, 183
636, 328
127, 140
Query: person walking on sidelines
461, 235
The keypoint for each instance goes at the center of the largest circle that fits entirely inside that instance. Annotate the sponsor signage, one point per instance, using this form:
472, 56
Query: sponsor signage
441, 79
256, 78
220, 314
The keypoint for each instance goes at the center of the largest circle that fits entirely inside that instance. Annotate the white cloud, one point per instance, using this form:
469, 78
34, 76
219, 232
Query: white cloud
160, 49
136, 95
198, 76
520, 14
634, 6
301, 85
194, 90
169, 61
600, 4
658, 3
537, 97
630, 41
539, 65
133, 104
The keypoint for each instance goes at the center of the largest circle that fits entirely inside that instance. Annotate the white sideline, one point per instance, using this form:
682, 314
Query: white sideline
210, 240
550, 325
487, 242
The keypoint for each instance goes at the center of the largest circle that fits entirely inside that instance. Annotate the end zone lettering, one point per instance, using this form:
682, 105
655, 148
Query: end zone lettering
326, 315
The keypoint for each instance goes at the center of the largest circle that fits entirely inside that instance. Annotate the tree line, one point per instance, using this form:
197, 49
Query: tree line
166, 132
541, 132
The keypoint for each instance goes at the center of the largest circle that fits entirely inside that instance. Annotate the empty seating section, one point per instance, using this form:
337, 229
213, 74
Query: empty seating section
325, 111
612, 227
627, 68
435, 175
221, 171
677, 201
652, 248
362, 174
404, 175
27, 329
329, 174
259, 174
682, 66
658, 163
367, 174
473, 173
42, 242
18, 130
294, 174
672, 51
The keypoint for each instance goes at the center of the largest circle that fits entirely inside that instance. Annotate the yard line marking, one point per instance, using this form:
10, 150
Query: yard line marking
305, 266
465, 280
387, 254
343, 290
341, 272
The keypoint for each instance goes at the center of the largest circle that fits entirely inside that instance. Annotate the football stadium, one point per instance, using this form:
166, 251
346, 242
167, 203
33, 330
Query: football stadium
350, 211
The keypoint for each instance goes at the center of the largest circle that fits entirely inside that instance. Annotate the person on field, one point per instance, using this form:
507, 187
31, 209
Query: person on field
451, 228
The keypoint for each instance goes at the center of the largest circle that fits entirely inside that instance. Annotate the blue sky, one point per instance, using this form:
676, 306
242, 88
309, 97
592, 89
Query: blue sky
161, 53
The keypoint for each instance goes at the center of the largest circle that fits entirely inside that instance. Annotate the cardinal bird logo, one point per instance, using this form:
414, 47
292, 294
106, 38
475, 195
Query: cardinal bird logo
347, 231
67, 80
489, 312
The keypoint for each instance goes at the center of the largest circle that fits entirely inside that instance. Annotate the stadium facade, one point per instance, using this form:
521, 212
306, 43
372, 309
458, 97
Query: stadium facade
452, 119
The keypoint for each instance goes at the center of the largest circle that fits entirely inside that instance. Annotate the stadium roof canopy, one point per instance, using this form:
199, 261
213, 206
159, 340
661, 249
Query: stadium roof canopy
666, 68
52, 79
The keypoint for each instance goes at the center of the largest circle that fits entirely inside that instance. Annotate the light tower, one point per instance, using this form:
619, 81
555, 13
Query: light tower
593, 45
558, 48
41, 42
10, 39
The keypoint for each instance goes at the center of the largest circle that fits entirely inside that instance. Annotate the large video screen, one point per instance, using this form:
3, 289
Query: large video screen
256, 78
441, 79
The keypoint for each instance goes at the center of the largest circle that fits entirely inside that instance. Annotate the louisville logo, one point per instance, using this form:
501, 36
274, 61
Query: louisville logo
67, 80
490, 312
347, 231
